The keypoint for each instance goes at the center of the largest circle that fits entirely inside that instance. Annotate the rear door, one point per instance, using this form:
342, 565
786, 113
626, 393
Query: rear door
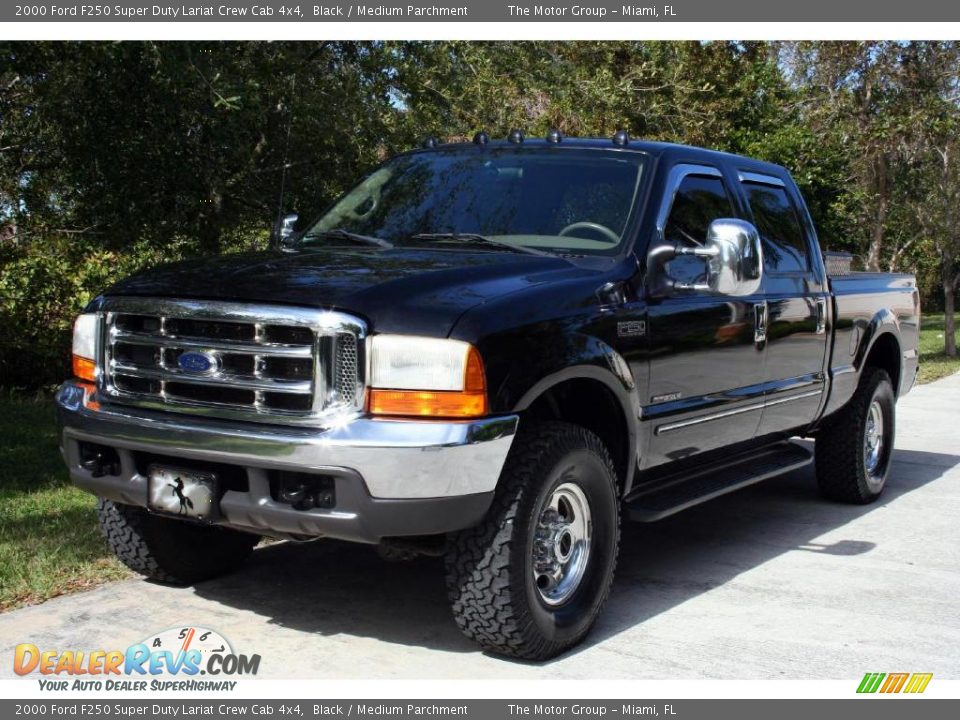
795, 294
706, 369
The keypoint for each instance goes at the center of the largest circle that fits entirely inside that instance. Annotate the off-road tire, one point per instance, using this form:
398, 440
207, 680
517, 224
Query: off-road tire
841, 466
171, 551
489, 576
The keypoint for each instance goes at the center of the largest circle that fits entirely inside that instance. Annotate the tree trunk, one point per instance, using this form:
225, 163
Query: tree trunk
949, 320
208, 235
950, 277
876, 238
875, 250
208, 231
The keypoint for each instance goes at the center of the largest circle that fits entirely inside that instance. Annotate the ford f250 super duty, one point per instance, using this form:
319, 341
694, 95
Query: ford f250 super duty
490, 351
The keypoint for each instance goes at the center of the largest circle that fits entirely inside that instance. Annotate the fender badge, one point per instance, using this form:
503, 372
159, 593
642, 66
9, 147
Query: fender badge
666, 397
631, 328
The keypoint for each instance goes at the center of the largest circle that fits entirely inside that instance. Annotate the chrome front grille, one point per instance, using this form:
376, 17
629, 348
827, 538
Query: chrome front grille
255, 362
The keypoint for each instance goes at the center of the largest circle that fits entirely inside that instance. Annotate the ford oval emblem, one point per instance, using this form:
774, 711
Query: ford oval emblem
199, 363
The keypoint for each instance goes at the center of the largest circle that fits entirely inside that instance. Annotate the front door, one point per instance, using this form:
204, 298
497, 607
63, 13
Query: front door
706, 358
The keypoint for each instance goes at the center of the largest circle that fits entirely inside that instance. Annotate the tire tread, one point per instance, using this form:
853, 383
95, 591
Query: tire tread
142, 543
486, 596
839, 450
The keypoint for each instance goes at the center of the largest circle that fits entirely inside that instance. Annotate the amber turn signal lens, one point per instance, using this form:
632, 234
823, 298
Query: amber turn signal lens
84, 369
424, 403
474, 378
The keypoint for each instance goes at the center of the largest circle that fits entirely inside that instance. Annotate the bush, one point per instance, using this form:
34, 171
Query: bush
45, 284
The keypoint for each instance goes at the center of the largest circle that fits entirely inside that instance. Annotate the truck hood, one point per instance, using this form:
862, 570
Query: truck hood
409, 290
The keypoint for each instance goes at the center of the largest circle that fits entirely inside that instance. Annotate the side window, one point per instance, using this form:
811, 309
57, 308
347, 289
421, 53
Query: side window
784, 243
699, 200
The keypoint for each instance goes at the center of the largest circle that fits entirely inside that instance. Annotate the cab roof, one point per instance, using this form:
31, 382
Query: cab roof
671, 152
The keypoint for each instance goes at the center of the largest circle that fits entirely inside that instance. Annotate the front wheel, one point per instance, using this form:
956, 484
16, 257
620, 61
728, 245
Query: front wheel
854, 449
531, 579
169, 550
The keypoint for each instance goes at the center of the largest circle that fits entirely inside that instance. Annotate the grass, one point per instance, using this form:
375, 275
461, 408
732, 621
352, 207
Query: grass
49, 541
934, 363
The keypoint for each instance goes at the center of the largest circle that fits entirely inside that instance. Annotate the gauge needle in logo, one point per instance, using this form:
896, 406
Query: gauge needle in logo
185, 646
187, 639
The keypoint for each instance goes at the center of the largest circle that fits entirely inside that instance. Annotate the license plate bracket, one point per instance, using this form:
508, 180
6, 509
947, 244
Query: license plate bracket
182, 492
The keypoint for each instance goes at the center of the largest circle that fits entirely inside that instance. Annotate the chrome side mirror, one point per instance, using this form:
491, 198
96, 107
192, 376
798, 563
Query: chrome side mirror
733, 257
284, 231
734, 267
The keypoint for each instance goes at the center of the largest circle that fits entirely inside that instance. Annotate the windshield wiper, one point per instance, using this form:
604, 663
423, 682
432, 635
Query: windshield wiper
341, 234
478, 239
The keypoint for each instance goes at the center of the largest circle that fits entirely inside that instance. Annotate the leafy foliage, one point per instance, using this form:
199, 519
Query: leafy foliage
43, 286
119, 156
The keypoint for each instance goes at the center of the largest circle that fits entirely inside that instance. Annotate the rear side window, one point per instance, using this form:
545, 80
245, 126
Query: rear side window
700, 199
784, 244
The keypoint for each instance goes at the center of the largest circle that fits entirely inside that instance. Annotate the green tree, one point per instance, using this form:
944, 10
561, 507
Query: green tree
131, 141
939, 215
933, 195
720, 94
857, 94
116, 156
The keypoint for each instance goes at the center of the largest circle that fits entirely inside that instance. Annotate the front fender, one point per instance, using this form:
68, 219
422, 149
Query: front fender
593, 360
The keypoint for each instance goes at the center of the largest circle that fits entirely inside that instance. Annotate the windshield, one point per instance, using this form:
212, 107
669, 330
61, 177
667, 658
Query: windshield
568, 201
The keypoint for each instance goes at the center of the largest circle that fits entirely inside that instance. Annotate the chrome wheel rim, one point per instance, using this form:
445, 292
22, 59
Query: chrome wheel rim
873, 438
561, 544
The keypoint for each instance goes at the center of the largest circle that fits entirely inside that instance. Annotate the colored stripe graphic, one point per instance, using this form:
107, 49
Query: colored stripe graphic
918, 683
870, 682
894, 682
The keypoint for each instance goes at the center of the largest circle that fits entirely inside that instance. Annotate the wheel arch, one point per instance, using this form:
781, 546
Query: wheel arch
882, 348
594, 398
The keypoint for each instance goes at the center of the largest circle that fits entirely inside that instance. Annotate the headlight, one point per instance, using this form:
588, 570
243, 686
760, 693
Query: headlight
426, 377
84, 347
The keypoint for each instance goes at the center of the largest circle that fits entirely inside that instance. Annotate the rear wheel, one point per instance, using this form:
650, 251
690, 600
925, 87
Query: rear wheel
531, 579
171, 551
853, 450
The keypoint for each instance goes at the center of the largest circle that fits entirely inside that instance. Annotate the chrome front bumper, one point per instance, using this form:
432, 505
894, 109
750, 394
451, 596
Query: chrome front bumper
392, 477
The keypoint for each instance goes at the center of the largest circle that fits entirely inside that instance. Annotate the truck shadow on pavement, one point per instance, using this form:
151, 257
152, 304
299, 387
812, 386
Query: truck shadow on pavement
330, 588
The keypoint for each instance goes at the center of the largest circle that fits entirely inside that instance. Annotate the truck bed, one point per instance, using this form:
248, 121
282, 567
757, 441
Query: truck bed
862, 303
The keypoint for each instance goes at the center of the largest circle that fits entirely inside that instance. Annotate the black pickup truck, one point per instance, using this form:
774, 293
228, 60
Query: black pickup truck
490, 351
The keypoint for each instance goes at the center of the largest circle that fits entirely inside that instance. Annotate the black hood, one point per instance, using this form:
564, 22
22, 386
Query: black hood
410, 290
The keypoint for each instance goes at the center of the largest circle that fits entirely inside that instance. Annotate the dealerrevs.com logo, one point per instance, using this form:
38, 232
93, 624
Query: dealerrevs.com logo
169, 660
900, 682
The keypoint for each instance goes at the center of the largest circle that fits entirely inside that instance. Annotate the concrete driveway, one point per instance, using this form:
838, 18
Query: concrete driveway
771, 582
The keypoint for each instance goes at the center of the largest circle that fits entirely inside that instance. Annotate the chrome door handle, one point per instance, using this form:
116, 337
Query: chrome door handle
821, 316
760, 323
